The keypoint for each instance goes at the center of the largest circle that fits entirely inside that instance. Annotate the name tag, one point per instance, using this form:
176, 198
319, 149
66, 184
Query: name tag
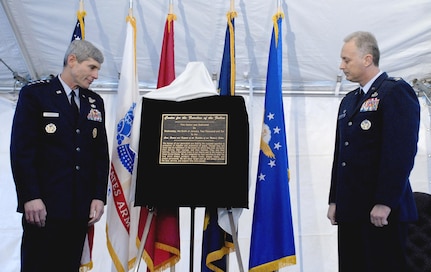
51, 114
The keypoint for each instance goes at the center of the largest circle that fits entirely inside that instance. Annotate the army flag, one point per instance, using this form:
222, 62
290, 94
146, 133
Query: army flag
120, 209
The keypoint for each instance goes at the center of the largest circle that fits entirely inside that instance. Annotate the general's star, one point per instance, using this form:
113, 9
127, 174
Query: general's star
270, 116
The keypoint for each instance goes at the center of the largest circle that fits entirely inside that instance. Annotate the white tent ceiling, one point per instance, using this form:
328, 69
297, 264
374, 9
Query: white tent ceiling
35, 34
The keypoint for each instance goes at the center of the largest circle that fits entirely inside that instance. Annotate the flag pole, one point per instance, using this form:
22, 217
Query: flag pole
171, 11
192, 235
144, 238
338, 84
235, 240
279, 10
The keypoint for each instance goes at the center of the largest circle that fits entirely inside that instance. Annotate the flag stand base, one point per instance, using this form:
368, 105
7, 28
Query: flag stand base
144, 238
192, 231
192, 236
235, 240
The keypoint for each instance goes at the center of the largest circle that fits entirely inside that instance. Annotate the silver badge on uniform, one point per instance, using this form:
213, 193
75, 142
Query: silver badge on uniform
50, 128
366, 124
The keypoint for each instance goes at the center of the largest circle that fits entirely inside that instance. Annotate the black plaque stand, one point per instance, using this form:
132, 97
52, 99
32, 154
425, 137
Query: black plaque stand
197, 153
192, 239
143, 238
235, 240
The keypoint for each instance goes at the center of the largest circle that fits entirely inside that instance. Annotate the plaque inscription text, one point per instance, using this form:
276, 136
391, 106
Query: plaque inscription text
193, 139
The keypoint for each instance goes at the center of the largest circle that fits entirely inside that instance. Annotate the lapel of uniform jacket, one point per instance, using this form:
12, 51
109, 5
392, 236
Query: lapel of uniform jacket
62, 100
373, 91
85, 103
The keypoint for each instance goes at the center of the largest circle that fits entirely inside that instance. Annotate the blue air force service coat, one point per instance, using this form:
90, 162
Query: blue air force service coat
64, 164
375, 147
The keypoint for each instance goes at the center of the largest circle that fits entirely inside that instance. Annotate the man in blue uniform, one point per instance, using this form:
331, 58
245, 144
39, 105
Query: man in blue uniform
60, 162
370, 196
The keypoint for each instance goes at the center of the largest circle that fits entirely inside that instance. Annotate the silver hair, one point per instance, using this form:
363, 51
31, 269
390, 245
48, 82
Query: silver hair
366, 43
83, 50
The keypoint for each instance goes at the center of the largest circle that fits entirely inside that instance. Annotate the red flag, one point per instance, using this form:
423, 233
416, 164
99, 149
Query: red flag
167, 58
87, 252
162, 245
86, 258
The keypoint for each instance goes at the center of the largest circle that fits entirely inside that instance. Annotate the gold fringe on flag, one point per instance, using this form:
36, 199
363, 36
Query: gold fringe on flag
80, 15
274, 21
230, 16
132, 21
171, 17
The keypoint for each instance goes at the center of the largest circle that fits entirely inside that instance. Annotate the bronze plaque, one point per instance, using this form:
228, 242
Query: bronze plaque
193, 139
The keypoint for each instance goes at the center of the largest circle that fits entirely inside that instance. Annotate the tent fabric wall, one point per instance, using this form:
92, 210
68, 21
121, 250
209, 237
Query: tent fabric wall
310, 127
35, 35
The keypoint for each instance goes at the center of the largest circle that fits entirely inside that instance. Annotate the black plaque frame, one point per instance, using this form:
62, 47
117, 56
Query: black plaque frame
193, 185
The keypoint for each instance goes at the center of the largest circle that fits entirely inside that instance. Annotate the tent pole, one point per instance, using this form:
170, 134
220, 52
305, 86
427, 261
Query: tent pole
26, 55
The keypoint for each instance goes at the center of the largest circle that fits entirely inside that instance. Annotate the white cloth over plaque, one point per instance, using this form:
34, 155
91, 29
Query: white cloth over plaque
194, 82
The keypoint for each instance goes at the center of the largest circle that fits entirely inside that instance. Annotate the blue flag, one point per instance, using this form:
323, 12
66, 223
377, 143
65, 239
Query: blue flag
79, 31
87, 252
272, 242
227, 71
217, 243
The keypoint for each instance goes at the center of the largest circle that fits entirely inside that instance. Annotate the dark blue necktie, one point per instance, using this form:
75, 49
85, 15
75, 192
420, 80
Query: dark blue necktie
74, 106
360, 96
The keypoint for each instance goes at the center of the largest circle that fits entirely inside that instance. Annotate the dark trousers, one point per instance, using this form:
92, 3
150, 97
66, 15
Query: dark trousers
55, 247
362, 247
